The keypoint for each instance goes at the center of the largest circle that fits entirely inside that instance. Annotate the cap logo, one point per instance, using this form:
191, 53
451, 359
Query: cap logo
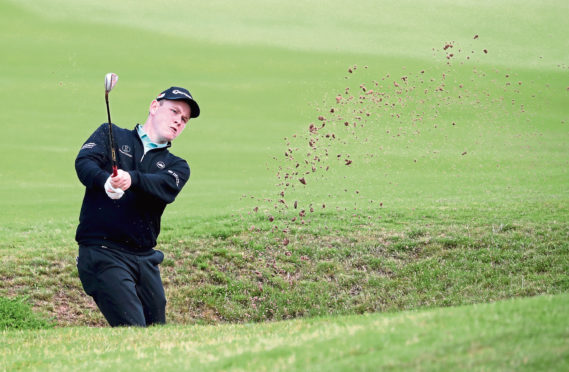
161, 96
176, 91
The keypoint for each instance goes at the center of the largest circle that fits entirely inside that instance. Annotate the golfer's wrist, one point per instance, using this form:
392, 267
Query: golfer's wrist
134, 178
101, 178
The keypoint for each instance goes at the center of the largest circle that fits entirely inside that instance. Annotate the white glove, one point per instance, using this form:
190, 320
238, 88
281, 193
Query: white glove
111, 191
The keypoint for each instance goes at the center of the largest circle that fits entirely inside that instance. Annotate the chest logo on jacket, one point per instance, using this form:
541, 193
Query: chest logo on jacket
160, 164
125, 149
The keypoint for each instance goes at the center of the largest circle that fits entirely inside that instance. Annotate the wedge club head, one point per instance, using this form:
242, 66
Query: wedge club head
110, 81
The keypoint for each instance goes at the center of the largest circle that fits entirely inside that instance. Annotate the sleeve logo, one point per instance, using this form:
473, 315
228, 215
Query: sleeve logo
175, 175
88, 145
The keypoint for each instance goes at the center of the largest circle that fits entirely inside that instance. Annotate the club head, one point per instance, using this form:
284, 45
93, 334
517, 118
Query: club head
110, 81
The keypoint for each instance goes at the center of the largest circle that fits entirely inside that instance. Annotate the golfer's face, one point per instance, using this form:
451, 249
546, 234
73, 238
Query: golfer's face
170, 119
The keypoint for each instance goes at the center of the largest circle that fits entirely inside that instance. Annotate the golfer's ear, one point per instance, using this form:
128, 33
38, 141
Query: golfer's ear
153, 107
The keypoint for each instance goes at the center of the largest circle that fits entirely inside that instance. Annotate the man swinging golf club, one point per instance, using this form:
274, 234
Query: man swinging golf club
121, 211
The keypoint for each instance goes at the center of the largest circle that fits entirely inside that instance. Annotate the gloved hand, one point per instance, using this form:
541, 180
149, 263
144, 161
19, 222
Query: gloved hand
111, 191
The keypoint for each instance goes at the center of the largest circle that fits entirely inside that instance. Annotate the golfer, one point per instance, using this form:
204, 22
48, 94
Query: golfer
120, 216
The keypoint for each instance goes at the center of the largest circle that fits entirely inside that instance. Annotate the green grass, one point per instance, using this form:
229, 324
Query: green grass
330, 265
455, 193
16, 313
254, 95
522, 335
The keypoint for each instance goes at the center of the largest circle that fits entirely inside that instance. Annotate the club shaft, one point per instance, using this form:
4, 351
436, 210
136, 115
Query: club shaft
111, 137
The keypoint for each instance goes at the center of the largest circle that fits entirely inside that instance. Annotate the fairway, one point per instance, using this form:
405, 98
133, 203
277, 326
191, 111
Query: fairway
350, 158
255, 94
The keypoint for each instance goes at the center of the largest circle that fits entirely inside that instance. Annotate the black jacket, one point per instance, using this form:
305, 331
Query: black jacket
132, 222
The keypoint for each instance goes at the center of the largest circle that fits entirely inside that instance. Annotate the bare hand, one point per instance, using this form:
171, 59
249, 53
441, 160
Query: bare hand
121, 181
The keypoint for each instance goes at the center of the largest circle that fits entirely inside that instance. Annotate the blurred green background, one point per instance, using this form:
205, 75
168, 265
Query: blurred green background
263, 71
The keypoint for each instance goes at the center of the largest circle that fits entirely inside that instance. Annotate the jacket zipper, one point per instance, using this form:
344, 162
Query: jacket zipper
144, 154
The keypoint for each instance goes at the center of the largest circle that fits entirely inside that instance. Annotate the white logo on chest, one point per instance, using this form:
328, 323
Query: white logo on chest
125, 149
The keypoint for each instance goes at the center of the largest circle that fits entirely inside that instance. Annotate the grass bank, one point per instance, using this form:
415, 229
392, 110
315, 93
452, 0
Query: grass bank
523, 335
327, 264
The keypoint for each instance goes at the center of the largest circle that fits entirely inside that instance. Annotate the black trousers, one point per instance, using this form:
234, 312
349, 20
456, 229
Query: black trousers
126, 287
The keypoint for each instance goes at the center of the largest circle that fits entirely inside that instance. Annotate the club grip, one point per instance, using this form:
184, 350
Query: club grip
115, 171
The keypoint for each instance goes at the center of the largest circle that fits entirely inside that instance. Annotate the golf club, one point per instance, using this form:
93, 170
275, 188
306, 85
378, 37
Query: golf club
110, 82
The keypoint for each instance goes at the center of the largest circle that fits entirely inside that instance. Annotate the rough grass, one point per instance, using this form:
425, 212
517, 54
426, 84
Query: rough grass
333, 265
16, 313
